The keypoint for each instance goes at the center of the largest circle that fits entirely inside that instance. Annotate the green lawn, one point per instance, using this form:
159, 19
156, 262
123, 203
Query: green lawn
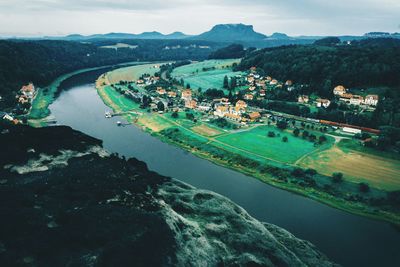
122, 101
256, 141
194, 75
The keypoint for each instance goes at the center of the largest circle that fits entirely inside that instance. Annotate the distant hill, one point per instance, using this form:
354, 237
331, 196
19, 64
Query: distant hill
113, 35
231, 33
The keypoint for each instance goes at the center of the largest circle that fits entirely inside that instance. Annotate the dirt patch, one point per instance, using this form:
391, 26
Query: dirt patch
205, 130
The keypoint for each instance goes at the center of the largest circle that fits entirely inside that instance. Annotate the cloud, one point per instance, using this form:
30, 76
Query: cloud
194, 16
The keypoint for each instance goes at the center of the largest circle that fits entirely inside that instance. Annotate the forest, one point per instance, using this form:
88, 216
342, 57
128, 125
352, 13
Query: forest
41, 61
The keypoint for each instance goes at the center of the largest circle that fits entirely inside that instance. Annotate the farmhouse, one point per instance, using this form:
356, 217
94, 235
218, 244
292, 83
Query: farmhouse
323, 102
233, 117
371, 100
339, 90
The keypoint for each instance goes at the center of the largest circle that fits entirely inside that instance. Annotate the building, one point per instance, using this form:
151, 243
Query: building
273, 82
303, 99
186, 94
248, 96
240, 104
351, 130
288, 83
356, 100
221, 110
171, 94
161, 91
191, 104
323, 103
339, 90
371, 100
204, 106
254, 116
262, 92
233, 117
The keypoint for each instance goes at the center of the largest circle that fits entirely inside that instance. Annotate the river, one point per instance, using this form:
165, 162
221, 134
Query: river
347, 239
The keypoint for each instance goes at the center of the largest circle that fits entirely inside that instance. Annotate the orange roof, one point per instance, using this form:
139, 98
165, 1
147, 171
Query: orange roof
254, 115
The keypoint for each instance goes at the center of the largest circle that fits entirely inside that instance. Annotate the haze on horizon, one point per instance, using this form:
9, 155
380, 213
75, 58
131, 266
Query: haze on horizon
306, 17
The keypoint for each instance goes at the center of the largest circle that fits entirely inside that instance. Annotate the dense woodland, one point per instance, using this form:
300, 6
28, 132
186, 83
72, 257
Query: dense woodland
41, 62
366, 63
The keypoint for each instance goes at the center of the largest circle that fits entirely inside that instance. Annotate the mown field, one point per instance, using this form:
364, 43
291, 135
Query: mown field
132, 73
356, 166
256, 141
196, 75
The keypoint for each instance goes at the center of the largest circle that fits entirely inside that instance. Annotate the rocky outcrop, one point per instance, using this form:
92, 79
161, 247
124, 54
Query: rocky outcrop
68, 203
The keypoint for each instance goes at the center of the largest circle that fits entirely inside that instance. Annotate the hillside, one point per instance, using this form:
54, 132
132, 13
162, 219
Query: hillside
42, 61
231, 33
70, 203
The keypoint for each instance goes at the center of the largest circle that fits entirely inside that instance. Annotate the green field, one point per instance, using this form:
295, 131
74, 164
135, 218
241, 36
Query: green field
256, 141
194, 74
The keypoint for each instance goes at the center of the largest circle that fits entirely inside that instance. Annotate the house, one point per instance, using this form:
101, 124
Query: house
221, 110
273, 82
161, 91
233, 117
248, 96
240, 104
269, 78
323, 102
262, 92
371, 100
339, 90
253, 69
204, 106
171, 94
7, 117
250, 79
288, 83
191, 104
252, 88
186, 94
356, 100
254, 116
303, 99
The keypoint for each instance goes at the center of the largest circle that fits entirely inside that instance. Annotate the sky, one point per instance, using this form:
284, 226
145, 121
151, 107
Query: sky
293, 17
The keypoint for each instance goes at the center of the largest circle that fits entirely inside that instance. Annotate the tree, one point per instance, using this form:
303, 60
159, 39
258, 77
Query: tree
174, 115
322, 139
363, 187
285, 139
311, 172
271, 134
188, 86
233, 84
282, 124
296, 132
189, 116
226, 82
305, 134
160, 106
312, 137
337, 177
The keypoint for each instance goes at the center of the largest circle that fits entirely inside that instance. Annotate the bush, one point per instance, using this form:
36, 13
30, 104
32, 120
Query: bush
296, 132
271, 134
285, 139
337, 177
322, 139
311, 172
305, 134
363, 187
174, 115
282, 124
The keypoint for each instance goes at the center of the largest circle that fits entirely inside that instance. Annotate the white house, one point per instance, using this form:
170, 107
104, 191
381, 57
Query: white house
371, 100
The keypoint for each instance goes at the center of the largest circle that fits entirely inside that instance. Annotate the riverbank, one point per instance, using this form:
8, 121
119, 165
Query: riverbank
274, 180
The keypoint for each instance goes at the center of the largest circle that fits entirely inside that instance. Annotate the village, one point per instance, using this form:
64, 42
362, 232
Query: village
238, 107
24, 99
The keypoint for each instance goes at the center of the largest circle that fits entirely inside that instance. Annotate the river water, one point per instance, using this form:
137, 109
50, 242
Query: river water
347, 239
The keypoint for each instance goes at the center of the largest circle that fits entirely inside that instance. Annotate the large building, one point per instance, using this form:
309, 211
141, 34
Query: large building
339, 90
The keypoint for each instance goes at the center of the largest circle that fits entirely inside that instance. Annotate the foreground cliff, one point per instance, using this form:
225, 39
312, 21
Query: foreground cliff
64, 201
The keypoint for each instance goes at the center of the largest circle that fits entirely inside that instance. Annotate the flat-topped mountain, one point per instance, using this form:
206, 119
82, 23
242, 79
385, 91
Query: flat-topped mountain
231, 32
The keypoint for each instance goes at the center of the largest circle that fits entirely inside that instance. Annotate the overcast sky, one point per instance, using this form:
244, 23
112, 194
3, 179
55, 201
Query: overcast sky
294, 17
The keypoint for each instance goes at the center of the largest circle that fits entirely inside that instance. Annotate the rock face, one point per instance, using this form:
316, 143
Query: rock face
231, 33
96, 209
